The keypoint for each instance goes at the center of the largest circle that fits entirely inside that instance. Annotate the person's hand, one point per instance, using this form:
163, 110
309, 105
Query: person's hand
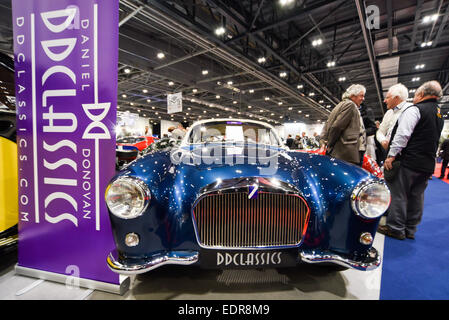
388, 164
385, 144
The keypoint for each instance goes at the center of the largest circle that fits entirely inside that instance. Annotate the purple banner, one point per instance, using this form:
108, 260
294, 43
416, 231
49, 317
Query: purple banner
66, 56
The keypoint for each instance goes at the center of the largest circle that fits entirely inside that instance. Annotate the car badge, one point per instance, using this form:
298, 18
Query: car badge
253, 191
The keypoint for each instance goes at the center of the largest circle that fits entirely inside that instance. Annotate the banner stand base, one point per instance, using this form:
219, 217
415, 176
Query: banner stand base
120, 289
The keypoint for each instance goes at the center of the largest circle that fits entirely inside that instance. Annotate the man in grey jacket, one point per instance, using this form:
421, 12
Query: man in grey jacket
344, 128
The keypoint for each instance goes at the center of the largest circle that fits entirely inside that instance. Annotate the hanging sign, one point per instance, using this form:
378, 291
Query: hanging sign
174, 102
66, 57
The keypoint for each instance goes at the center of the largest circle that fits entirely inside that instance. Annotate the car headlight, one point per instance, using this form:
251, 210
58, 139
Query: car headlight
127, 197
370, 199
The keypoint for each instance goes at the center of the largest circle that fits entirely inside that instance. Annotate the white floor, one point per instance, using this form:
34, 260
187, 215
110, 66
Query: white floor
306, 282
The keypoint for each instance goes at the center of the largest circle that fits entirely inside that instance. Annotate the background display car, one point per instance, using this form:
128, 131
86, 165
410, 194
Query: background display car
127, 149
232, 196
9, 191
9, 206
369, 164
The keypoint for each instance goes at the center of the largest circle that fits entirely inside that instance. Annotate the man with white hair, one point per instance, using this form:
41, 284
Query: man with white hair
411, 156
344, 133
396, 101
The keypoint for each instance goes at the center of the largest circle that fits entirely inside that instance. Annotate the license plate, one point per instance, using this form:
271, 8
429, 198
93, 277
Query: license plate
233, 259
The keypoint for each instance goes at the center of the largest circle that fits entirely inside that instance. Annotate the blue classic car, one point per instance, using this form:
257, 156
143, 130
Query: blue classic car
232, 196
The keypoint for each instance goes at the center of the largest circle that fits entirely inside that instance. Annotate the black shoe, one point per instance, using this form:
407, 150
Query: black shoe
386, 230
409, 235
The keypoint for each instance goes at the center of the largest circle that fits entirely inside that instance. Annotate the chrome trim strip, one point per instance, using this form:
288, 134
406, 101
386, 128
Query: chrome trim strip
244, 182
320, 257
172, 257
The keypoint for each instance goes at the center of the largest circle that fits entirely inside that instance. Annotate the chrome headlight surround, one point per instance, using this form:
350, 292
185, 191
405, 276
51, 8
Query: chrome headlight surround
127, 197
370, 199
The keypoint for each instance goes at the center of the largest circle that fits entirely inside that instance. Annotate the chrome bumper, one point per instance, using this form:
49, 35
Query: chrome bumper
173, 257
371, 262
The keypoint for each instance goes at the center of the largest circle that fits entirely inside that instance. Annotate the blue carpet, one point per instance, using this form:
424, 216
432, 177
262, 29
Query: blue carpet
419, 269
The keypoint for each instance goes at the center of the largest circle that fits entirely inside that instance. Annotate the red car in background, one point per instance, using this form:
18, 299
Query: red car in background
369, 164
140, 143
128, 148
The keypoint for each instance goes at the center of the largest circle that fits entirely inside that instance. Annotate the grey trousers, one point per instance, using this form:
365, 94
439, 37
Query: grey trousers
407, 200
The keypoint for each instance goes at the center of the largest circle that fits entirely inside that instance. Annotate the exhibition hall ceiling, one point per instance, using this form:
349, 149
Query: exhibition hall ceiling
273, 60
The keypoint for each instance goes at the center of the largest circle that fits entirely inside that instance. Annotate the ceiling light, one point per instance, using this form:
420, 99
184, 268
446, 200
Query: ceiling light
299, 86
204, 72
144, 90
194, 90
230, 83
311, 94
161, 55
267, 98
416, 79
430, 18
426, 44
171, 83
420, 66
220, 31
412, 90
331, 64
127, 70
290, 108
280, 103
249, 107
124, 95
307, 115
285, 2
317, 42
148, 100
299, 111
217, 96
251, 90
341, 79
321, 101
283, 74
131, 103
261, 60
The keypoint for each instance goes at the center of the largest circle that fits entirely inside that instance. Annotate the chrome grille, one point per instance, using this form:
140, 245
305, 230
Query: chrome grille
231, 220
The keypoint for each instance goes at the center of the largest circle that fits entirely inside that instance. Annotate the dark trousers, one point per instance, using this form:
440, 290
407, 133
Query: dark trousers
443, 167
407, 200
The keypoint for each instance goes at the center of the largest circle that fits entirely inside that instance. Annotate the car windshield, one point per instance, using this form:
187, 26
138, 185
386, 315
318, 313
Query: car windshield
233, 131
130, 140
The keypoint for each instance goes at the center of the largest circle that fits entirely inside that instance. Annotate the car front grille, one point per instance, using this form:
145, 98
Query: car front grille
231, 220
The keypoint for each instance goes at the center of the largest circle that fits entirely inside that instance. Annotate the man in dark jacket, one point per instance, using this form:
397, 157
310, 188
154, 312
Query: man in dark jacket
444, 153
344, 128
412, 150
289, 142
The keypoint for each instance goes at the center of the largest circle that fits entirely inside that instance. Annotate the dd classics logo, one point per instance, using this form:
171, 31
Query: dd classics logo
249, 259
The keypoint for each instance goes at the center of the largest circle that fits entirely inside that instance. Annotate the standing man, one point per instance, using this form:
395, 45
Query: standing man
444, 149
414, 142
289, 142
396, 101
344, 127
